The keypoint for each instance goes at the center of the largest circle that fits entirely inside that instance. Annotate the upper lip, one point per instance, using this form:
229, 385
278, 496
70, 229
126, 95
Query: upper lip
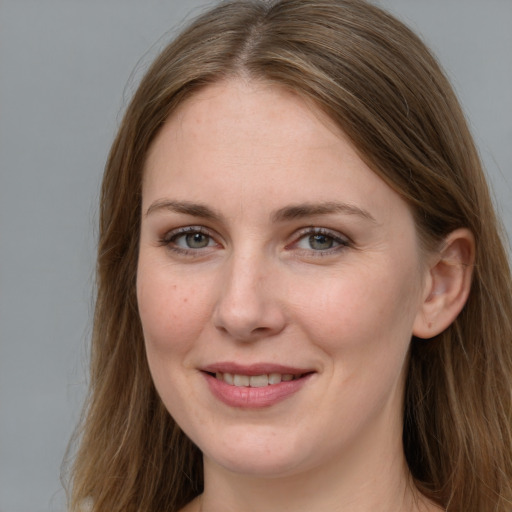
253, 369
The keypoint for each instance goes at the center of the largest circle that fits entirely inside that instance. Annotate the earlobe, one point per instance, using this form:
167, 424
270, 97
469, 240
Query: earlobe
447, 285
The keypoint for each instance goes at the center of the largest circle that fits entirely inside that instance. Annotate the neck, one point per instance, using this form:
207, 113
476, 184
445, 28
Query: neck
355, 485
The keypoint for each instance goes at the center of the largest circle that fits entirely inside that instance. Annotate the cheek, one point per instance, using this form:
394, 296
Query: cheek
172, 312
370, 311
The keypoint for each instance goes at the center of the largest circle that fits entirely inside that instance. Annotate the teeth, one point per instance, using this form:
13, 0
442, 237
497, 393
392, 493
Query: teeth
258, 381
241, 380
274, 378
255, 381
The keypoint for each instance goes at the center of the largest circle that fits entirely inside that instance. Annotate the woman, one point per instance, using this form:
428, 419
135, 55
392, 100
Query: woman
303, 299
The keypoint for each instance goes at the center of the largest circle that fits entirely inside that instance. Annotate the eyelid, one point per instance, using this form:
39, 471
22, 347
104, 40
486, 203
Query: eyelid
167, 239
342, 240
184, 230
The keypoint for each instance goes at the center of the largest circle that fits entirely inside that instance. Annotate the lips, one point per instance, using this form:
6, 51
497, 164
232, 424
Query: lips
254, 386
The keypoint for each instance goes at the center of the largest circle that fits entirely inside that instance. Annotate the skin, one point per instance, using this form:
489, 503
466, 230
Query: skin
257, 288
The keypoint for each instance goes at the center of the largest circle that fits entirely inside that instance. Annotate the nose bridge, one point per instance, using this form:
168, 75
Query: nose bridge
248, 304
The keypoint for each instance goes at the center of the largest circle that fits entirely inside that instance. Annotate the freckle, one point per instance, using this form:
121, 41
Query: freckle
185, 299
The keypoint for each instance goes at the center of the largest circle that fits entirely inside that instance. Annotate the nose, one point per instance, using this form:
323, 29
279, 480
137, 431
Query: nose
249, 305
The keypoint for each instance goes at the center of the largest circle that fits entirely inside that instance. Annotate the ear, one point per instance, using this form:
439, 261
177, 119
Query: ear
448, 282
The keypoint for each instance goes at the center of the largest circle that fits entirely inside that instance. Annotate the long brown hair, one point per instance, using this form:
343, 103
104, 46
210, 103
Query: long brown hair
375, 79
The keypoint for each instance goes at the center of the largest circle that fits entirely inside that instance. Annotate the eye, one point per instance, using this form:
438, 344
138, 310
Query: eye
192, 240
320, 240
189, 239
317, 242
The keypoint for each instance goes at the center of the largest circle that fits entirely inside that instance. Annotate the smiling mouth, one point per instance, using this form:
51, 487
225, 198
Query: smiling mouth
255, 381
254, 386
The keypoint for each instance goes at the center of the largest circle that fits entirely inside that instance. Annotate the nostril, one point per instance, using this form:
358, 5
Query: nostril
260, 330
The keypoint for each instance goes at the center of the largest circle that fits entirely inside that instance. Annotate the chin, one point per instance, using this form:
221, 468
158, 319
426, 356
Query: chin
257, 466
261, 453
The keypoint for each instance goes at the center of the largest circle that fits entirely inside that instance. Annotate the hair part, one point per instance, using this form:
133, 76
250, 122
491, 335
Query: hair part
377, 81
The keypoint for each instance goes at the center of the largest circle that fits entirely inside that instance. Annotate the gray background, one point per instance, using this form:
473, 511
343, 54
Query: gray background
64, 66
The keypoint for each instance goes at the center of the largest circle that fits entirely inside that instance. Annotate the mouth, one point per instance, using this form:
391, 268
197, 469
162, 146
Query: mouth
255, 381
254, 386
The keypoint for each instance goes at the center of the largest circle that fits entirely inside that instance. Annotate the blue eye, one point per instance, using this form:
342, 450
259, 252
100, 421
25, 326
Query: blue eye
193, 240
188, 239
319, 240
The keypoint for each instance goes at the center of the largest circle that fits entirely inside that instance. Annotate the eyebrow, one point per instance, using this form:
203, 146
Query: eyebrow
287, 213
310, 210
185, 207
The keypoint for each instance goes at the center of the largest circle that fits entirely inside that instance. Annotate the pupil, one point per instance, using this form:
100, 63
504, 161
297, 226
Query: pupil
320, 242
197, 240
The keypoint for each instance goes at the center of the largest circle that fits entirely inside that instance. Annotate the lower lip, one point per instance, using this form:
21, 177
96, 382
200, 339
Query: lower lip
253, 398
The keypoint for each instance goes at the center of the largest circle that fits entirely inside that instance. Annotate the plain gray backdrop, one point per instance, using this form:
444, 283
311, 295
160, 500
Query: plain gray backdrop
64, 70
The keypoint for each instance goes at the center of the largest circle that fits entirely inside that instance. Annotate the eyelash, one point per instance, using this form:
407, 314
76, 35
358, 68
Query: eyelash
339, 242
170, 239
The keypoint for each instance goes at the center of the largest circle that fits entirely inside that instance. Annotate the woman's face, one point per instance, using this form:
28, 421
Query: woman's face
279, 280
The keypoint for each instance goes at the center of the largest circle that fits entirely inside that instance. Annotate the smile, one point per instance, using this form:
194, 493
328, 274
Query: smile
254, 386
255, 381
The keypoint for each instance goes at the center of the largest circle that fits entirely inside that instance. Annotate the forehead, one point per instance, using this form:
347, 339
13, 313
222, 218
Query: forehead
244, 141
256, 108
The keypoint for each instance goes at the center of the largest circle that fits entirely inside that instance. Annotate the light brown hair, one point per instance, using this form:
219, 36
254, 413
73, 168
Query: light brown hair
374, 78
